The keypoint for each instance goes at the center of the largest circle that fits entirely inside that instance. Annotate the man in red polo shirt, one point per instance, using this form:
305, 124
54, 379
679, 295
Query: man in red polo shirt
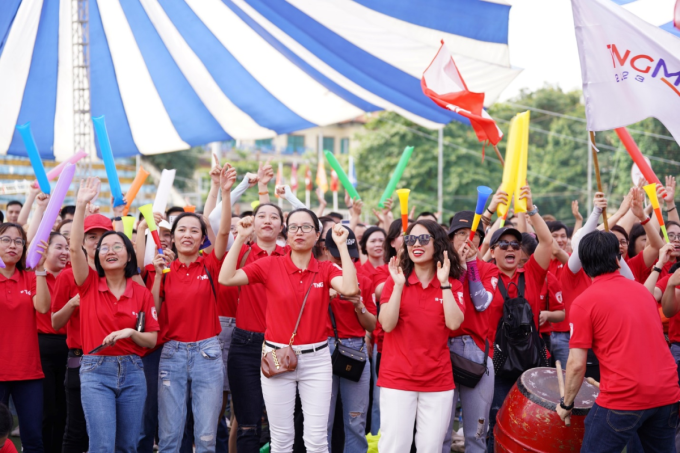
618, 319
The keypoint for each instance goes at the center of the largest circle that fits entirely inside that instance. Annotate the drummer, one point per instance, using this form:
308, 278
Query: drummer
619, 320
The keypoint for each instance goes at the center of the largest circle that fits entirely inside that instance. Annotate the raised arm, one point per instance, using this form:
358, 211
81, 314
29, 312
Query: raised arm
543, 252
211, 201
227, 179
289, 196
467, 255
453, 315
650, 283
578, 224
89, 189
28, 204
669, 200
322, 202
346, 285
389, 311
42, 299
264, 174
43, 200
229, 275
654, 241
670, 303
60, 318
599, 203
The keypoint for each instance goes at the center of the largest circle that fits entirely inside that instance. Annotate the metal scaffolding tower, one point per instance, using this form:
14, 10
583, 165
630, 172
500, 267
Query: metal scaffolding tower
80, 41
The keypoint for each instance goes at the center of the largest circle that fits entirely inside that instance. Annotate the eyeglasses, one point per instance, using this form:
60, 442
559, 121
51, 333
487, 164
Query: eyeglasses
410, 239
462, 233
305, 227
623, 243
6, 240
674, 237
504, 245
117, 248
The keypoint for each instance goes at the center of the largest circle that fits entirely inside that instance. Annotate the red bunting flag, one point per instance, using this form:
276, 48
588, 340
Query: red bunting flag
293, 178
443, 83
676, 15
334, 181
308, 178
321, 179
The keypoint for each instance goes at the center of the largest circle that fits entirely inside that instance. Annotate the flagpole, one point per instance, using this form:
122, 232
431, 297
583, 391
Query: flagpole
440, 173
597, 176
590, 179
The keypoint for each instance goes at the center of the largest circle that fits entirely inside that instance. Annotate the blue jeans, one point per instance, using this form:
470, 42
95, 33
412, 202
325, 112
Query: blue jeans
475, 402
195, 369
113, 392
354, 401
28, 399
228, 326
609, 430
150, 420
246, 389
375, 411
559, 347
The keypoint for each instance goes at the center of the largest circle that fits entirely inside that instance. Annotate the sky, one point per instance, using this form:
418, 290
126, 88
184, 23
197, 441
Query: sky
543, 43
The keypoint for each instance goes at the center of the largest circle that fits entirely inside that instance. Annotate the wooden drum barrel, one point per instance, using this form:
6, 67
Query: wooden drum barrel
528, 422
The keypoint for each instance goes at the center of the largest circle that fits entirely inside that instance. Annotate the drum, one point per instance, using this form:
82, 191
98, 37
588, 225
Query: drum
528, 421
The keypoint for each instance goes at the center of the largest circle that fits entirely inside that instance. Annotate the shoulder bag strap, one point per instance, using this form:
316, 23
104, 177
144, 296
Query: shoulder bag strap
335, 328
211, 282
297, 323
245, 257
520, 288
501, 287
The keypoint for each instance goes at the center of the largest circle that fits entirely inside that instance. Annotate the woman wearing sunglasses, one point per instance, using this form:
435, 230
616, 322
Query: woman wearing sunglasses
113, 386
422, 302
289, 280
506, 251
21, 375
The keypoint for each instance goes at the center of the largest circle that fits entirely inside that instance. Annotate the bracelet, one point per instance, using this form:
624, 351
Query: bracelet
263, 193
117, 219
646, 221
41, 273
656, 269
489, 211
564, 406
350, 207
671, 209
446, 287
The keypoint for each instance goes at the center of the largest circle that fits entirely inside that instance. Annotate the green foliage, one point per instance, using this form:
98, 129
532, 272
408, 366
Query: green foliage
557, 163
184, 162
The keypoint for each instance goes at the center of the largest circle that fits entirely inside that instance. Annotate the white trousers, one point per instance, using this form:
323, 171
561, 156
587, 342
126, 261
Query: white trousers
313, 378
399, 409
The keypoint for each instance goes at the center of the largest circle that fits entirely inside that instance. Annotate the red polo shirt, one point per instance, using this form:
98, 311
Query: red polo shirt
252, 301
534, 276
346, 319
8, 447
416, 354
44, 320
189, 305
642, 272
18, 330
382, 273
64, 290
573, 286
285, 287
674, 322
102, 314
619, 320
551, 300
475, 324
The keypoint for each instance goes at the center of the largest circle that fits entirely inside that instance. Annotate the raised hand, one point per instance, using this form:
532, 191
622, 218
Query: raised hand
356, 208
320, 196
42, 200
670, 189
245, 228
443, 269
396, 272
525, 193
340, 234
280, 191
500, 197
600, 201
265, 173
664, 254
227, 177
253, 179
636, 203
215, 173
574, 211
160, 260
42, 250
89, 188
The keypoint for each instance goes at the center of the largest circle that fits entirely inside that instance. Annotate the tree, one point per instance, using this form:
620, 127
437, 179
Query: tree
184, 162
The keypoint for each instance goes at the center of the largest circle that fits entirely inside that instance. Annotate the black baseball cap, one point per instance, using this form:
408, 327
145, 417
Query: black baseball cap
505, 230
463, 219
352, 245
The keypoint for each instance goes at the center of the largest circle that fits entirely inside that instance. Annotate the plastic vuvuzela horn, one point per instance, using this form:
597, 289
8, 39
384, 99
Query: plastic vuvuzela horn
403, 202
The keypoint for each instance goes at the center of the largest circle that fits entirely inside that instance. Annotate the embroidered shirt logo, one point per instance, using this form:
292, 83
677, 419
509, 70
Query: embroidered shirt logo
202, 277
318, 285
461, 301
154, 314
25, 291
494, 282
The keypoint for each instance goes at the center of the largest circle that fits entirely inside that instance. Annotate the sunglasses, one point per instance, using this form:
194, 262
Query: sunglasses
411, 240
504, 245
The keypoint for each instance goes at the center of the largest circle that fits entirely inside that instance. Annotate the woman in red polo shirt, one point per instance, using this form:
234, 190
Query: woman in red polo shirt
243, 367
186, 298
20, 374
112, 382
421, 303
53, 349
288, 281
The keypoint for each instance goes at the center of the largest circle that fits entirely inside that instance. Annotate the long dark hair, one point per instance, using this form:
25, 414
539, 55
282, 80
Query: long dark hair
204, 228
21, 264
130, 267
635, 232
283, 231
441, 243
393, 233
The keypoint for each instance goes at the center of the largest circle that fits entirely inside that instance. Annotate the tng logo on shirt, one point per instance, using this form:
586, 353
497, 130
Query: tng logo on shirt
318, 285
25, 291
202, 277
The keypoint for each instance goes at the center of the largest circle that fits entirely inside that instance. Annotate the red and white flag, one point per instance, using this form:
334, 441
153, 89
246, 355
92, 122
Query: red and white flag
443, 83
293, 178
630, 68
676, 15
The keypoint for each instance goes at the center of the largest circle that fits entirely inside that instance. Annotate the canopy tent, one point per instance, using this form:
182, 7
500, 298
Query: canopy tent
169, 74
656, 12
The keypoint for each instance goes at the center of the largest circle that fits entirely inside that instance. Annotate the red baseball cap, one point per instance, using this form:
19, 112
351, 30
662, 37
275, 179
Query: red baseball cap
97, 222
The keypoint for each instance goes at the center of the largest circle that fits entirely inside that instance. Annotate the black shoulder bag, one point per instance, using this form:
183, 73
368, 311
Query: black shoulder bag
347, 362
466, 372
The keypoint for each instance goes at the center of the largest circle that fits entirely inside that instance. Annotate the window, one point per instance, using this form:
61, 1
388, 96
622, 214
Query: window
329, 144
296, 143
265, 143
344, 146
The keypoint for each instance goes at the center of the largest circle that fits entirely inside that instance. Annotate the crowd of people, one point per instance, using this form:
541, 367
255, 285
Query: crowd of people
329, 329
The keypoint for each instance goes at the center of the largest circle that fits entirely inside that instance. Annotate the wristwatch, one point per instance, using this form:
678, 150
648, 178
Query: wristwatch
361, 311
565, 407
42, 273
533, 212
445, 287
656, 269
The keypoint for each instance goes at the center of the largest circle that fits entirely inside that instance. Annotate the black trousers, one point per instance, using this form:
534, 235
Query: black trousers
75, 434
53, 355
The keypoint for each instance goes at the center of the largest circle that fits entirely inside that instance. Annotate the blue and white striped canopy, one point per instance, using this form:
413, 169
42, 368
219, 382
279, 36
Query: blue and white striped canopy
169, 74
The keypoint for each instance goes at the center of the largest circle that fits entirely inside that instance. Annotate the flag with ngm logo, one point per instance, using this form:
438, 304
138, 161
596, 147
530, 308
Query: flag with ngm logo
630, 68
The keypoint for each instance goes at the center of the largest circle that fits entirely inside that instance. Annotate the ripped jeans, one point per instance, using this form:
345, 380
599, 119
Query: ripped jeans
196, 369
354, 401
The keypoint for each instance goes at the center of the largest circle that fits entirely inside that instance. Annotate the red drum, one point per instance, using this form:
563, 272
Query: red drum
528, 422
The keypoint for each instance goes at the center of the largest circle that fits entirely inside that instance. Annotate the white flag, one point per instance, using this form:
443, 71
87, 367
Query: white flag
630, 68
